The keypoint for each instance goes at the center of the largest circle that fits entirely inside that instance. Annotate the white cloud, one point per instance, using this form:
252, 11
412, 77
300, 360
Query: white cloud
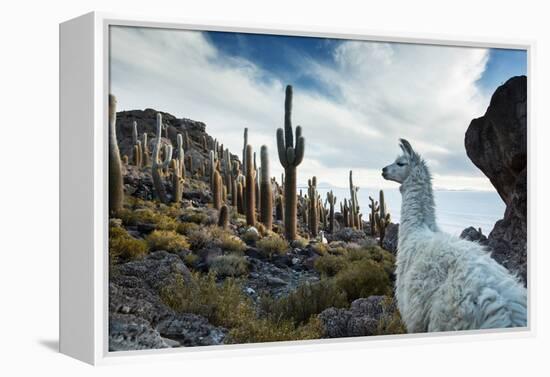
381, 92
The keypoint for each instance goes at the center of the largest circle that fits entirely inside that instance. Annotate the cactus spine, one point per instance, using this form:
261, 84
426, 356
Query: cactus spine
331, 199
223, 217
155, 167
266, 207
250, 189
116, 191
290, 156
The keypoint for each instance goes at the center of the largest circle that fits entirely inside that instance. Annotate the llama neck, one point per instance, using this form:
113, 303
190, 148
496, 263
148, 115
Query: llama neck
417, 205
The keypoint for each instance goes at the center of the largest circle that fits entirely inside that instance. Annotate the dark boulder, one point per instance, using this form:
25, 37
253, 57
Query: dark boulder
497, 144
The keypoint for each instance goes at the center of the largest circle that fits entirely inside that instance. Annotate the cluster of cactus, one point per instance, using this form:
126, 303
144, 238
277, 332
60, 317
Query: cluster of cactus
291, 155
374, 211
116, 191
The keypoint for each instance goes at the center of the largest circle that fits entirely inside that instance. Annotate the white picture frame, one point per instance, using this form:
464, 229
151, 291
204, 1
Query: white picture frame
84, 84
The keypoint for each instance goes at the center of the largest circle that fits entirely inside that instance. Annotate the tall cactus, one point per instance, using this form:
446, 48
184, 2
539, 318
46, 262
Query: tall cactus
177, 181
240, 198
250, 189
331, 199
156, 167
266, 206
217, 190
116, 191
145, 159
374, 210
223, 217
313, 207
290, 156
181, 156
353, 204
382, 220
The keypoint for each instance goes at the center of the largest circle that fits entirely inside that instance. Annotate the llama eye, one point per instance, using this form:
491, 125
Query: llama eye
401, 164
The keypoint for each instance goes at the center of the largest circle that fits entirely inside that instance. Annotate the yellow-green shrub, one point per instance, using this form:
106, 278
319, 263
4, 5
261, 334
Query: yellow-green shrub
187, 228
330, 265
199, 239
225, 305
147, 216
363, 278
306, 301
320, 248
228, 242
271, 245
167, 240
123, 247
229, 265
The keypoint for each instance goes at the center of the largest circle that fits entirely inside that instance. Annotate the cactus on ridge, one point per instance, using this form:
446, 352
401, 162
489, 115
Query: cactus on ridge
266, 194
116, 191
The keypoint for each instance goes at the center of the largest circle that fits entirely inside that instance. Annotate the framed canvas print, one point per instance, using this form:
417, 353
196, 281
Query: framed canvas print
224, 187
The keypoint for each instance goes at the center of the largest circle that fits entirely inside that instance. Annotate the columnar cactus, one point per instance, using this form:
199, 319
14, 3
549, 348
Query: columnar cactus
383, 219
331, 199
290, 156
353, 203
177, 181
240, 198
257, 184
313, 207
181, 156
266, 206
345, 212
116, 191
223, 217
145, 159
217, 190
168, 151
250, 189
156, 167
279, 208
245, 143
374, 208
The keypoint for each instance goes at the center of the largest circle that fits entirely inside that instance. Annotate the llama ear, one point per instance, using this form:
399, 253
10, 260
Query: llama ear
406, 147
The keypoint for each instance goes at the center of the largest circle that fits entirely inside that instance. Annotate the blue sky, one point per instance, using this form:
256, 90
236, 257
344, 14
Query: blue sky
354, 99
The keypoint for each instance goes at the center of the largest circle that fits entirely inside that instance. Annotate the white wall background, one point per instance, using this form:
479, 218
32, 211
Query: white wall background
29, 185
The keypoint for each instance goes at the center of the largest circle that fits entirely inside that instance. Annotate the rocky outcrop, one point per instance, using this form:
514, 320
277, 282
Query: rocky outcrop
138, 319
391, 238
497, 144
361, 319
475, 235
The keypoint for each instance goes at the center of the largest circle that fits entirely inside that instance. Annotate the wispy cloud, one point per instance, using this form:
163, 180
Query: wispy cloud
377, 92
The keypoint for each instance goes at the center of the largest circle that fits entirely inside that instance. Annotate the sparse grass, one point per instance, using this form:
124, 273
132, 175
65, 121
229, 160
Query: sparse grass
190, 260
167, 240
300, 242
123, 247
226, 305
272, 245
390, 321
228, 242
192, 215
306, 301
229, 265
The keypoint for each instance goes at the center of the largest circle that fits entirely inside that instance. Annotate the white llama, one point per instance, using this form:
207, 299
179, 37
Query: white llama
444, 283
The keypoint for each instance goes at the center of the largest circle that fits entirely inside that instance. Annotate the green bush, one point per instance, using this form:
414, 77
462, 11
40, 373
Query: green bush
123, 247
225, 305
363, 278
330, 265
228, 242
271, 245
167, 240
306, 301
229, 265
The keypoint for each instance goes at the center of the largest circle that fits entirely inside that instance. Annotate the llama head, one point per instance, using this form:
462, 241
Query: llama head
402, 166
